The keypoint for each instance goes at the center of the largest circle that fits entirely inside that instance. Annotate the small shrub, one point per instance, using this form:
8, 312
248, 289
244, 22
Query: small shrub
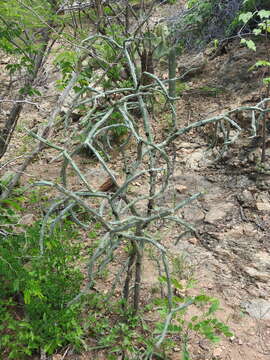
35, 291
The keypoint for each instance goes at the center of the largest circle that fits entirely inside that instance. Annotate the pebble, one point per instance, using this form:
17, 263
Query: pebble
193, 241
181, 188
218, 352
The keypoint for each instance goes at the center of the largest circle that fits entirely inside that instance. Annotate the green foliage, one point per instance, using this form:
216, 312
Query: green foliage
251, 5
203, 8
22, 13
201, 11
210, 91
249, 43
205, 323
66, 61
24, 33
245, 17
124, 334
198, 19
117, 118
120, 332
213, 19
19, 28
35, 292
9, 214
248, 9
263, 27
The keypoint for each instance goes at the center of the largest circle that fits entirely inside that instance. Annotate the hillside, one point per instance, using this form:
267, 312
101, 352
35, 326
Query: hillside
217, 244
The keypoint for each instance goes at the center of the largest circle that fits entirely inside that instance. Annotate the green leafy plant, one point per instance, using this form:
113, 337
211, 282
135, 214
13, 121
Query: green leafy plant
9, 213
205, 323
262, 28
119, 332
117, 118
210, 91
20, 34
214, 20
35, 292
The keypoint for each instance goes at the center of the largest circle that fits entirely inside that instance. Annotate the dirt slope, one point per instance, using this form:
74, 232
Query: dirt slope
230, 257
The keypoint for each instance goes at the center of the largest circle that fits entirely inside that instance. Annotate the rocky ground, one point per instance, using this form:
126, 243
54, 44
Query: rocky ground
231, 252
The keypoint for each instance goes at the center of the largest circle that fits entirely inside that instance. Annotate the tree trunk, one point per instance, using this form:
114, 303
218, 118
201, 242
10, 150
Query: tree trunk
7, 131
147, 64
172, 72
172, 82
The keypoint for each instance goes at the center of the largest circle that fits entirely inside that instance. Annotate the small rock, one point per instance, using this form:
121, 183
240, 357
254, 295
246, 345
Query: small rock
238, 231
27, 219
263, 206
217, 353
57, 357
258, 308
209, 51
261, 276
212, 195
246, 198
197, 159
262, 260
176, 349
193, 241
193, 214
181, 188
248, 229
214, 215
188, 145
240, 342
218, 212
223, 252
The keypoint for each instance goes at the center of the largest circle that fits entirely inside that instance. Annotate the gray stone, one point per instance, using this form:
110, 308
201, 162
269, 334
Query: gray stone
258, 308
197, 159
193, 214
213, 194
256, 274
247, 197
262, 260
218, 212
263, 202
263, 206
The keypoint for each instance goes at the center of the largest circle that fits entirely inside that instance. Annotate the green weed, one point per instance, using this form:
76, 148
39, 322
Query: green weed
35, 292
